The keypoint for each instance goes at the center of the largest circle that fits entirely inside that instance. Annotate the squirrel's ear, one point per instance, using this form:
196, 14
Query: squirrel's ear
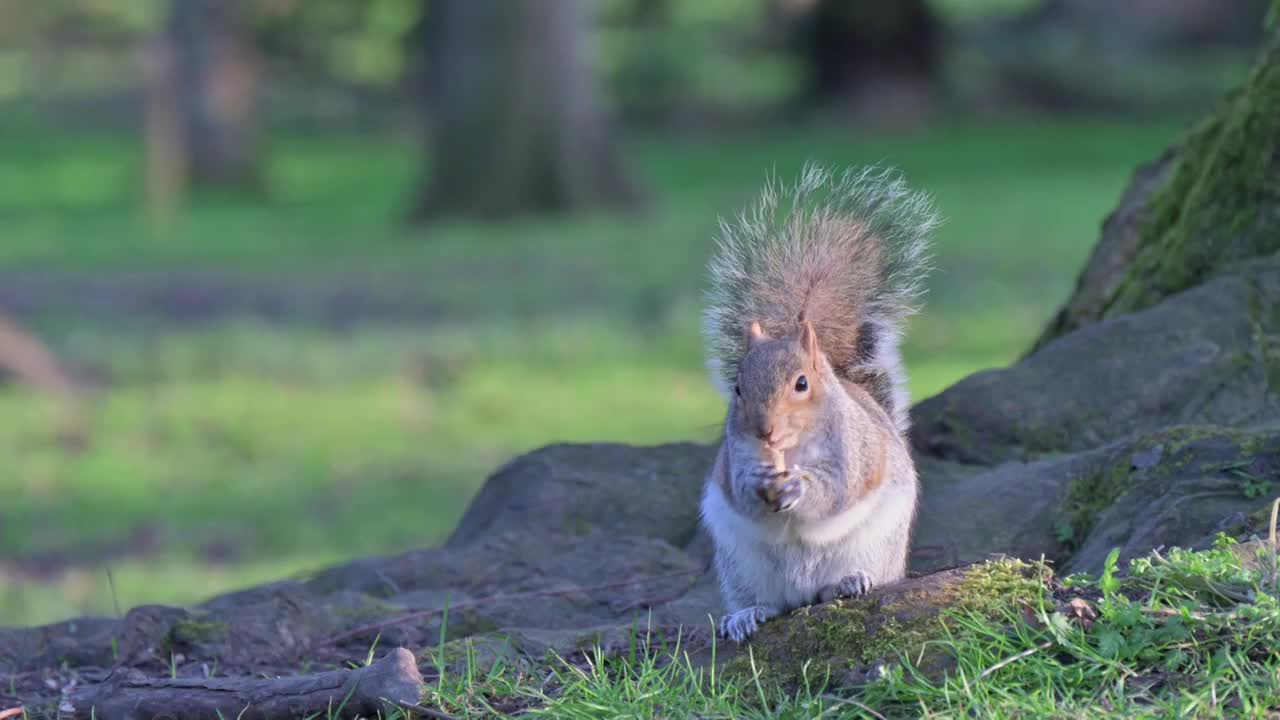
755, 334
809, 338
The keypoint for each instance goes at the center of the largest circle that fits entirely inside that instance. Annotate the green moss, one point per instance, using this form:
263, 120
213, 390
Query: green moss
1220, 205
906, 622
1259, 444
1177, 439
196, 629
1089, 495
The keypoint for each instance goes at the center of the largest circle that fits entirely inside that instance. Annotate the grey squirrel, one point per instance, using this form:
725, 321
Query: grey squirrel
813, 492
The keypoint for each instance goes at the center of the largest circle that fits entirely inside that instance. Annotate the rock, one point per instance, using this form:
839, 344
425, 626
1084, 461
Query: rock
1075, 508
1208, 475
573, 488
1124, 433
851, 637
1204, 357
966, 515
82, 641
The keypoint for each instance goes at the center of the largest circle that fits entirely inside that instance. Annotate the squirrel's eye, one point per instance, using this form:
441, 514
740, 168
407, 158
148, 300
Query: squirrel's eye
802, 384
737, 390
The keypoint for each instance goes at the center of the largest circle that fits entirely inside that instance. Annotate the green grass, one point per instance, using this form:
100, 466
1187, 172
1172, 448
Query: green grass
1189, 634
222, 453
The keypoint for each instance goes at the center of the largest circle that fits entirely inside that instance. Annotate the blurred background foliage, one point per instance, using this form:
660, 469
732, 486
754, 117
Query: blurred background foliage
287, 278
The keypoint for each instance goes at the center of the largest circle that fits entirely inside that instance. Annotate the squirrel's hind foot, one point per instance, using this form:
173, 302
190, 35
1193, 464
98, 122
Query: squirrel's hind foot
855, 584
740, 625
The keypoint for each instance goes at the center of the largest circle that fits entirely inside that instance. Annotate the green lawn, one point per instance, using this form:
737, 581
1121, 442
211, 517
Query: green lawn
229, 451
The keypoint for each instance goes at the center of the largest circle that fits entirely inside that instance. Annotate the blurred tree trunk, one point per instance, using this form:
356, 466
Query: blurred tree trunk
1211, 202
166, 162
212, 73
873, 58
516, 124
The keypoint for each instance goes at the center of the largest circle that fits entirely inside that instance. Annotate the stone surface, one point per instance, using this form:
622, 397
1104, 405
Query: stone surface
564, 488
1206, 356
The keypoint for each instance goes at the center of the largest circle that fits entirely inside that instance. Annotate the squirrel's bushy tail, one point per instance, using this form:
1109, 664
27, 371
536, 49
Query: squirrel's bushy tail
848, 252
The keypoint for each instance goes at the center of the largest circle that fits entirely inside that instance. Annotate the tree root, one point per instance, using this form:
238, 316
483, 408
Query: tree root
392, 681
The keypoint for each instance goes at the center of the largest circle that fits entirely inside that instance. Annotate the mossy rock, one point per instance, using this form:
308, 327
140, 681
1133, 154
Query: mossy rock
1179, 485
1222, 204
845, 642
1208, 356
1208, 204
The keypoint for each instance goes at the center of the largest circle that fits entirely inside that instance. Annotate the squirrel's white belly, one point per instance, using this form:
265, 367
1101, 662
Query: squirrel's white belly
790, 576
784, 563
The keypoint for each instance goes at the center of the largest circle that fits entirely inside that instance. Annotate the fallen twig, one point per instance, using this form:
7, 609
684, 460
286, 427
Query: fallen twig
365, 691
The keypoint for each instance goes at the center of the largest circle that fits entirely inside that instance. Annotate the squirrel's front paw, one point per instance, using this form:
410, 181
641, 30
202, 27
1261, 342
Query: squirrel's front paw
741, 625
789, 494
781, 490
856, 584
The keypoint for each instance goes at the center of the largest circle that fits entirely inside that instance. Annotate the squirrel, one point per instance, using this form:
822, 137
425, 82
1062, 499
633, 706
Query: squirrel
812, 494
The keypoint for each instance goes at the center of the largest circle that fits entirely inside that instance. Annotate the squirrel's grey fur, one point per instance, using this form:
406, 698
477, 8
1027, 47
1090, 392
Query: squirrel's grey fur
848, 252
813, 283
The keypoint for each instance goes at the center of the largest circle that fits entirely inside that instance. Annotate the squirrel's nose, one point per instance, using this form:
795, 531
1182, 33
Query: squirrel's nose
766, 434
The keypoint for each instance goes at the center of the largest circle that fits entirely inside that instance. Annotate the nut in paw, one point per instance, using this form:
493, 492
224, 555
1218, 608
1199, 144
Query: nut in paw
782, 491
